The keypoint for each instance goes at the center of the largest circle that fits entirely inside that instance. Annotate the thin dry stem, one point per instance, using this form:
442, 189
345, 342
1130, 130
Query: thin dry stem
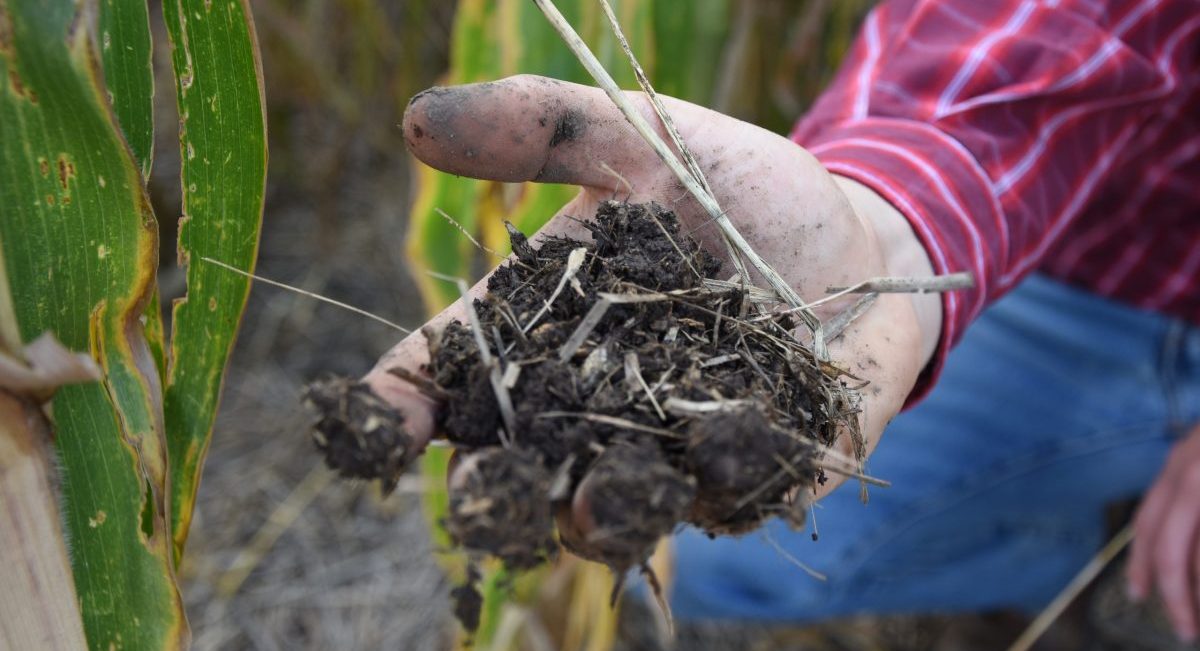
790, 558
589, 323
838, 324
633, 369
705, 198
889, 285
280, 520
574, 261
612, 420
617, 175
468, 235
1088, 574
660, 598
669, 126
424, 384
682, 406
304, 292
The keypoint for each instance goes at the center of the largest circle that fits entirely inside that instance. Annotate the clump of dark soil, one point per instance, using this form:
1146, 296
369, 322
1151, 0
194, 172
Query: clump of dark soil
360, 435
509, 525
629, 499
625, 390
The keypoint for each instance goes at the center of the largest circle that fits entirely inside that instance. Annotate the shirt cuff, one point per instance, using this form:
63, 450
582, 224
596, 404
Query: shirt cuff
946, 197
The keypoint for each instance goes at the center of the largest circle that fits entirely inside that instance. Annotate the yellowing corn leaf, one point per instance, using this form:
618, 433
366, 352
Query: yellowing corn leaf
125, 52
222, 139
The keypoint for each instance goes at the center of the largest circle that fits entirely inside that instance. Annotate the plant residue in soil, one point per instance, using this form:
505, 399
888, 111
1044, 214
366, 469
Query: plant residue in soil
625, 391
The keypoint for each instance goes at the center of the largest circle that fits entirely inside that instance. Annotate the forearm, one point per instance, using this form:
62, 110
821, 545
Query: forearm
991, 170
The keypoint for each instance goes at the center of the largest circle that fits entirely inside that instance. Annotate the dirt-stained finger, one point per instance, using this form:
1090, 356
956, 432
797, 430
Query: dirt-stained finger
528, 128
1173, 554
1139, 571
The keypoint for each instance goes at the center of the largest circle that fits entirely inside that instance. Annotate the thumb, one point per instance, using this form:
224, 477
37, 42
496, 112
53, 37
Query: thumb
529, 128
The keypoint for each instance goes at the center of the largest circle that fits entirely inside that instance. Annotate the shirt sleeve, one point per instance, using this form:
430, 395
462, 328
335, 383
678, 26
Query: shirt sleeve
990, 125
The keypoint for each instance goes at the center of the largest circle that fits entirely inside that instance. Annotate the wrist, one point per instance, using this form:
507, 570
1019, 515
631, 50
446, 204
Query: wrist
903, 255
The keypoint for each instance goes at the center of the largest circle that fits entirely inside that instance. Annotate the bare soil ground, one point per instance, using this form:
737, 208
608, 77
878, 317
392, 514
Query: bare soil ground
347, 570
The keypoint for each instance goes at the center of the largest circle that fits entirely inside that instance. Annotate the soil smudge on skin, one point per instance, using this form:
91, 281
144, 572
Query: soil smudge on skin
569, 127
441, 106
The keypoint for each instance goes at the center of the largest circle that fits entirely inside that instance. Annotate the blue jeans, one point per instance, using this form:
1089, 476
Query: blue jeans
1056, 403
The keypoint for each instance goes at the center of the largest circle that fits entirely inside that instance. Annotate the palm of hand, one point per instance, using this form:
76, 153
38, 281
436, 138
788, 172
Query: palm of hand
788, 207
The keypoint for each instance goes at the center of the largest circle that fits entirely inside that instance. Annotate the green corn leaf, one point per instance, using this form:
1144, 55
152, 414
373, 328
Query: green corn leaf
125, 51
222, 139
80, 248
688, 42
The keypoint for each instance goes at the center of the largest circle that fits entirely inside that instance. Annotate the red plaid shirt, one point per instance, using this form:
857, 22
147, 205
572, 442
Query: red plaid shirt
1054, 135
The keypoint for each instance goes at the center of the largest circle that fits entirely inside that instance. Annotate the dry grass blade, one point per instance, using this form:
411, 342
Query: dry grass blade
1090, 571
705, 198
589, 323
887, 285
669, 125
720, 359
284, 515
766, 534
754, 294
426, 385
614, 421
677, 249
633, 370
838, 324
853, 474
682, 406
574, 261
467, 234
660, 599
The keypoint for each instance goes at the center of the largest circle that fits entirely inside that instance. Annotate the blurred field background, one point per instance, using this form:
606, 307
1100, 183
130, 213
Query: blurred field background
282, 556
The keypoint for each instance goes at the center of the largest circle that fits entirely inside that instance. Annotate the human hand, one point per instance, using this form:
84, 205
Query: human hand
816, 230
1166, 543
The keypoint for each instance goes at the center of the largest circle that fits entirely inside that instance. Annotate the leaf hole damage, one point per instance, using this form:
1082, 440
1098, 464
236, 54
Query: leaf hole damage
148, 511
